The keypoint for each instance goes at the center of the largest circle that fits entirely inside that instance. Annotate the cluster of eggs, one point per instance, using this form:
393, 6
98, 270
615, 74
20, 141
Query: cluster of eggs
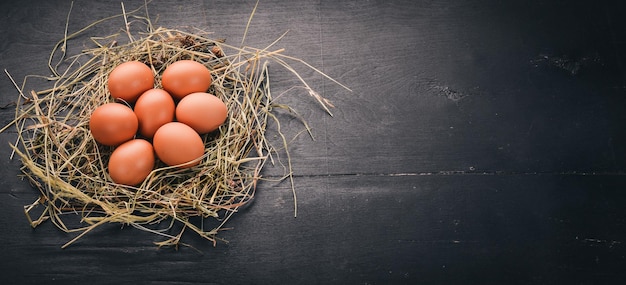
164, 123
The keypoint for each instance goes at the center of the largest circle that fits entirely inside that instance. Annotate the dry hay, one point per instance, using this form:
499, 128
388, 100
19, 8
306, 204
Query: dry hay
61, 158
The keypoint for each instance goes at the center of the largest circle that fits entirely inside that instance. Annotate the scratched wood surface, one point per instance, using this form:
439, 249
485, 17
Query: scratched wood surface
483, 143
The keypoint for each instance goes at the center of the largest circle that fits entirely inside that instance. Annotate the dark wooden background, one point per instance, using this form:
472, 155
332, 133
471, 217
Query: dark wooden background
483, 143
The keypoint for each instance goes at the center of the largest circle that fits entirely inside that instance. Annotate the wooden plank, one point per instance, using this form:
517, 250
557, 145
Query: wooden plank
367, 229
438, 67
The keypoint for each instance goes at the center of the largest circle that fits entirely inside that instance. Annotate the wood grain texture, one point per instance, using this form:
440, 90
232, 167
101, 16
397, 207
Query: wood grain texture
374, 229
482, 143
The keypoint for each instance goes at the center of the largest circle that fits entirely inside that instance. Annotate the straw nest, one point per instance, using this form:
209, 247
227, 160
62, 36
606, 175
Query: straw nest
62, 160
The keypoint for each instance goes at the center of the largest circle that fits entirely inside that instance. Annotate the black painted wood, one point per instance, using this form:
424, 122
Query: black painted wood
483, 143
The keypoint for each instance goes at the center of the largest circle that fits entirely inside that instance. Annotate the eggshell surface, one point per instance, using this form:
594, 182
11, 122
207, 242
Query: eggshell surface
203, 112
113, 123
178, 144
184, 77
131, 162
154, 108
129, 80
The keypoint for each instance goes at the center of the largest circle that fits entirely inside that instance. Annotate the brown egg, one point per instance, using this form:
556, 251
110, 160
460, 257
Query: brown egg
178, 144
184, 77
201, 111
131, 162
113, 123
154, 108
129, 80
